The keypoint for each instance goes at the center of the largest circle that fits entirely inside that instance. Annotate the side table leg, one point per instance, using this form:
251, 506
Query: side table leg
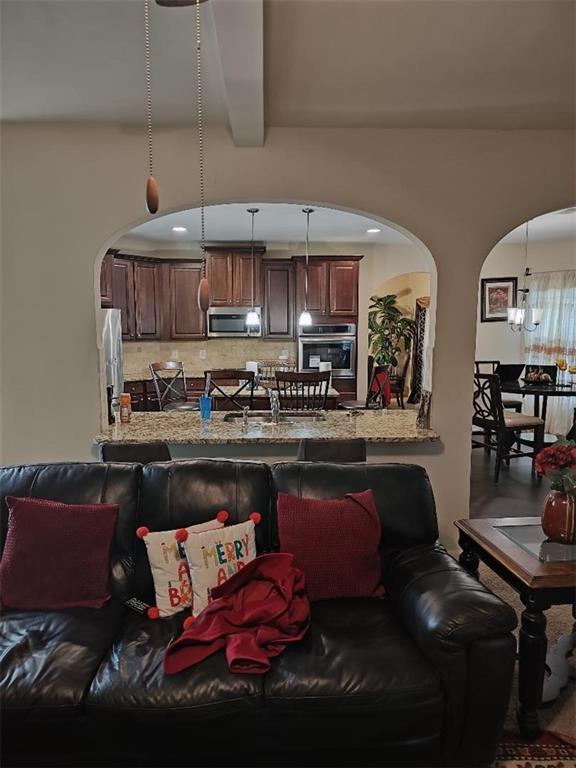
468, 558
532, 661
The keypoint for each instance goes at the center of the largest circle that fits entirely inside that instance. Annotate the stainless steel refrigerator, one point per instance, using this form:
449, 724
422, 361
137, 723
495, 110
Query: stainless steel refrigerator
110, 345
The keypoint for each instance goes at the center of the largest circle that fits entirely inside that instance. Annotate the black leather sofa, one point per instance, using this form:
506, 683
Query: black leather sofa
421, 678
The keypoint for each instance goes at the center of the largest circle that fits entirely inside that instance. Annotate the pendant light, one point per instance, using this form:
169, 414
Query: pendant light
305, 318
152, 193
252, 317
520, 317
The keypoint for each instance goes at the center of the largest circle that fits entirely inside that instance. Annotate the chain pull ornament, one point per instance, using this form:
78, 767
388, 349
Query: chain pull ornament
152, 192
203, 287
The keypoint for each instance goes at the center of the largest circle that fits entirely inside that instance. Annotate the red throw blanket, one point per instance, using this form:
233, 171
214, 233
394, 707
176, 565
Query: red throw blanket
255, 614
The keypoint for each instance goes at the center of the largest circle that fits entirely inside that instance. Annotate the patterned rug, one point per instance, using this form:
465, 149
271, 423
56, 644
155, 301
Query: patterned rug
549, 751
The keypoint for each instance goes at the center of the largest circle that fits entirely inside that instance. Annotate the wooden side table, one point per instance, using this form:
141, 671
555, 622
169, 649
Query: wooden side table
543, 574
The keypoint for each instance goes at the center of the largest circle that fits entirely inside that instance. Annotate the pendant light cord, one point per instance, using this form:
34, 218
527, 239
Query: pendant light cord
252, 212
200, 136
307, 211
148, 77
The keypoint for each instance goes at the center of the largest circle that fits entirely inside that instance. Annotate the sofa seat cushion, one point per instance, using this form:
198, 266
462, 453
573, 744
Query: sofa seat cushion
357, 658
131, 679
49, 658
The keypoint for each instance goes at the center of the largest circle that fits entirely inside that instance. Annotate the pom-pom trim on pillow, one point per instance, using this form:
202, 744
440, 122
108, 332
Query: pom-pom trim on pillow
142, 532
222, 516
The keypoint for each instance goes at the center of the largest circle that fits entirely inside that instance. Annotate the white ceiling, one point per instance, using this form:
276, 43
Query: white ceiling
276, 222
388, 63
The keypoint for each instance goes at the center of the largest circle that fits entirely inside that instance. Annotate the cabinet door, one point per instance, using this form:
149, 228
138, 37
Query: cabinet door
147, 279
246, 278
186, 319
343, 287
317, 286
220, 277
123, 295
106, 300
278, 311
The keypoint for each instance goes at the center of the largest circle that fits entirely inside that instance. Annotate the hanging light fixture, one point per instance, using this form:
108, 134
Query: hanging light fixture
252, 317
152, 193
305, 316
521, 317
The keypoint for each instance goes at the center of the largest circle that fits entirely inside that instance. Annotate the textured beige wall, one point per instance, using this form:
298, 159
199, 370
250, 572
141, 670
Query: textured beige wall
70, 191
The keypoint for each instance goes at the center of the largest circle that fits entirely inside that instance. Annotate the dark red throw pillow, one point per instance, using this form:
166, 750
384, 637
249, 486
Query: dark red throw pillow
335, 542
56, 555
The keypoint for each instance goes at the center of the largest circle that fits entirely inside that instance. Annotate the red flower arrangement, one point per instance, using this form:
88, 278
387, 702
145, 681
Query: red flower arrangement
558, 463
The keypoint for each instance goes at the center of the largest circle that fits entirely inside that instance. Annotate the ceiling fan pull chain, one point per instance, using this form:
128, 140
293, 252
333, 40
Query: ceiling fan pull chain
152, 193
203, 287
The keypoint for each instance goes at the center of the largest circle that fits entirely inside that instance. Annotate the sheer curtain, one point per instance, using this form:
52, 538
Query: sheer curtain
555, 293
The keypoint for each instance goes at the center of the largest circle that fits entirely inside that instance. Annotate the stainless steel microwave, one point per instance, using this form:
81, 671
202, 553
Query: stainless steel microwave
231, 321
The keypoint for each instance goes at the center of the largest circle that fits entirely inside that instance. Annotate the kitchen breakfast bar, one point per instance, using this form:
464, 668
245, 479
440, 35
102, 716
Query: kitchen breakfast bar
257, 435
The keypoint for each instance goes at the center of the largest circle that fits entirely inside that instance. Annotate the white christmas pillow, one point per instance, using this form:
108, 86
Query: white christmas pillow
214, 556
169, 566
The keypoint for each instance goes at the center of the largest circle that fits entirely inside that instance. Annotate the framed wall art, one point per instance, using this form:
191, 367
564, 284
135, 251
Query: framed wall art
496, 295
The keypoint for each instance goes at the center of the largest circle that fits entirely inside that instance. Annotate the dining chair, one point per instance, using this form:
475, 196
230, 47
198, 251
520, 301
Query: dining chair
378, 394
336, 451
301, 391
140, 453
170, 384
398, 378
571, 434
502, 431
242, 383
490, 366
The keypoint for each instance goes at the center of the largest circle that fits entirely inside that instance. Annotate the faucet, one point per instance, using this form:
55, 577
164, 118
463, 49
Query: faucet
245, 416
274, 405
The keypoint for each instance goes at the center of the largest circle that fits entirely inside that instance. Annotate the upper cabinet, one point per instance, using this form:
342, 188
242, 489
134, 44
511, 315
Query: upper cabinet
187, 321
123, 295
278, 307
332, 286
233, 276
106, 300
147, 300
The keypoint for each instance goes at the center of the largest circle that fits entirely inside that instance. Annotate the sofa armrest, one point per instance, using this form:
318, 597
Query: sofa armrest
465, 632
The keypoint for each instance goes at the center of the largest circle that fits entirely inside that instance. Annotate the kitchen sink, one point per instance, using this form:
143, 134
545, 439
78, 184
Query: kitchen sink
264, 418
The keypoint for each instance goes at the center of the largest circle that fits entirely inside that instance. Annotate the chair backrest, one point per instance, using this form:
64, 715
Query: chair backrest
243, 385
302, 391
338, 451
488, 410
486, 366
169, 381
402, 366
267, 369
142, 453
376, 397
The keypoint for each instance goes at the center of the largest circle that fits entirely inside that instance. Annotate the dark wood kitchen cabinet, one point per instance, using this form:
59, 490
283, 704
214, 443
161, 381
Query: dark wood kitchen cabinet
147, 300
278, 306
332, 287
136, 291
187, 321
123, 295
106, 300
231, 274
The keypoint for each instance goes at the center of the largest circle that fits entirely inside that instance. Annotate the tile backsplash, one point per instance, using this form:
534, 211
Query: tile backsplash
199, 356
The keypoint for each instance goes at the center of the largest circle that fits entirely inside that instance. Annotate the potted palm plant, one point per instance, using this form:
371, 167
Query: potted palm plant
390, 332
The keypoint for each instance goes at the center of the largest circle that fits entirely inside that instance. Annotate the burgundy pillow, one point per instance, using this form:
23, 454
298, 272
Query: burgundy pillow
56, 555
335, 542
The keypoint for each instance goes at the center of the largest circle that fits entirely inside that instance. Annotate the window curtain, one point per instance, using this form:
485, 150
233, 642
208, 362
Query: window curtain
555, 293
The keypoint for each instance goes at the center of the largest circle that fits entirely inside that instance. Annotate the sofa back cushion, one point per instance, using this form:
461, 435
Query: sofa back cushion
182, 493
402, 493
83, 484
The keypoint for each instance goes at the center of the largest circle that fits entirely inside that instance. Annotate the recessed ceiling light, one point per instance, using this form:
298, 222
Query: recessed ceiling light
373, 231
179, 229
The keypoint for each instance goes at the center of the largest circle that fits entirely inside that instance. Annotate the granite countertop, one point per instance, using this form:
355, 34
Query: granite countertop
187, 428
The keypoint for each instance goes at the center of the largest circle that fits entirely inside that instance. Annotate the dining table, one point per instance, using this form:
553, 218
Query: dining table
539, 390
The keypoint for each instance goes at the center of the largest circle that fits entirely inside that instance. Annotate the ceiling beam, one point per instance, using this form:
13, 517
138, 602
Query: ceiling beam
239, 29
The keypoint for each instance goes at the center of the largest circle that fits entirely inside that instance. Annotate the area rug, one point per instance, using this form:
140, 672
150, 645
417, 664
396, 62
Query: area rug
549, 751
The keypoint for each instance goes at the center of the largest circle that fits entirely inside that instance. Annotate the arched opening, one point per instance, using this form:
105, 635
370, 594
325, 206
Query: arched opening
532, 268
160, 250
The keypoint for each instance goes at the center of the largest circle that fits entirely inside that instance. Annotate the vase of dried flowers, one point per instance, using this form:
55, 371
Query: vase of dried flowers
558, 463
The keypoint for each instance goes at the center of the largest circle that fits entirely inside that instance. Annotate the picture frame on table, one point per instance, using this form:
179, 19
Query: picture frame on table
496, 295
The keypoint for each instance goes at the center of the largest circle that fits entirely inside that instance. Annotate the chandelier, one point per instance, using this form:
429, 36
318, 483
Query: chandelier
522, 317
